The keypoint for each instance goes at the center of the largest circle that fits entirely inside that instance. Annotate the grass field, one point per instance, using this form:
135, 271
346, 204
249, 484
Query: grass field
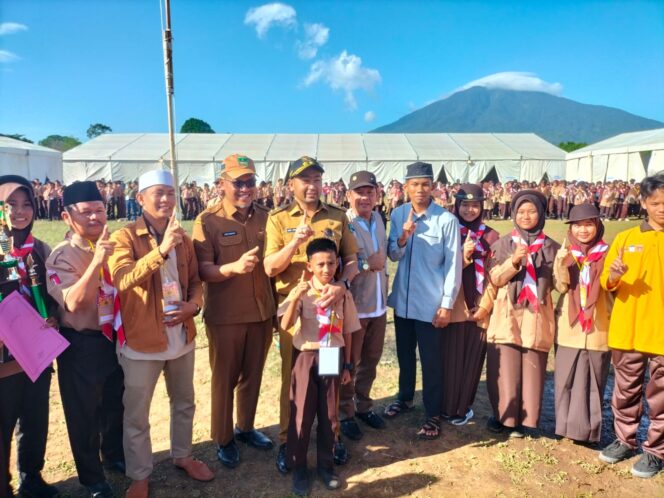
465, 461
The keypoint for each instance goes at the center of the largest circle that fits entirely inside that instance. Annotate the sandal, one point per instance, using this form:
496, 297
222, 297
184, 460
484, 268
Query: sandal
395, 408
430, 429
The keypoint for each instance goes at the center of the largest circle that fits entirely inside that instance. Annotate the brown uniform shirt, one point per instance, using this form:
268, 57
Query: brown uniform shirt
221, 237
306, 336
65, 267
329, 221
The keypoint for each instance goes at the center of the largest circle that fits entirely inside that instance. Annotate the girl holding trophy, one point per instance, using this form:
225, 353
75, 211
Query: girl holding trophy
23, 402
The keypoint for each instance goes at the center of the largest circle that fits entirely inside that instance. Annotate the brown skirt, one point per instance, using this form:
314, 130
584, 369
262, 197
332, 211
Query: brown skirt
464, 350
515, 382
580, 378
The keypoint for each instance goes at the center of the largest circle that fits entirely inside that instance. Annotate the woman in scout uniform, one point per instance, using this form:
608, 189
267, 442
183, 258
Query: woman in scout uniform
464, 339
521, 328
21, 400
582, 353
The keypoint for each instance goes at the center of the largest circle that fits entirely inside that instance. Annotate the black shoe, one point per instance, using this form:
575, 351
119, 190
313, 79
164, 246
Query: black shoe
101, 490
647, 466
351, 430
33, 486
340, 454
282, 465
616, 452
255, 439
115, 466
301, 484
494, 426
330, 480
229, 455
516, 432
372, 419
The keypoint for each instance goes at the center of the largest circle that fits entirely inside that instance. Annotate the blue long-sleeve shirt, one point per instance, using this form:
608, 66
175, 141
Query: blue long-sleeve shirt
429, 271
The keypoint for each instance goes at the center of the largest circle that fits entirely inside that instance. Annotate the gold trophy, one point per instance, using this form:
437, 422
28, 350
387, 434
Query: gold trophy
9, 262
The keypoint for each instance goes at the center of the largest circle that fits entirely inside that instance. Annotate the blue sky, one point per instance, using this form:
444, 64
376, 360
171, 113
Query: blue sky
309, 66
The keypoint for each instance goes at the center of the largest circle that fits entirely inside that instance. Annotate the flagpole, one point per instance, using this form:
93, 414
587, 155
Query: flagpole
168, 74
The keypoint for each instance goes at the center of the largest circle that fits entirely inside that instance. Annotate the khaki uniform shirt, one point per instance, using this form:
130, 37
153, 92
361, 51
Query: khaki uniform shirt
220, 237
306, 336
329, 221
65, 267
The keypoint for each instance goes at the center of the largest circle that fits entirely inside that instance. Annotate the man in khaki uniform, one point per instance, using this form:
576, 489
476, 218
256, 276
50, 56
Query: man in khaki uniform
239, 306
288, 230
90, 379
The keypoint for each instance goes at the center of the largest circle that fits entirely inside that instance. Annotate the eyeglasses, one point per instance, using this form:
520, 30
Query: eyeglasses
238, 184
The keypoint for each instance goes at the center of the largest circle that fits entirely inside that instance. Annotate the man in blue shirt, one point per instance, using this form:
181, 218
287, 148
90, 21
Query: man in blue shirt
424, 239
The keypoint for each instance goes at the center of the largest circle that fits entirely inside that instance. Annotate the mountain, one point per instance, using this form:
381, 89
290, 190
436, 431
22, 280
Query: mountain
555, 119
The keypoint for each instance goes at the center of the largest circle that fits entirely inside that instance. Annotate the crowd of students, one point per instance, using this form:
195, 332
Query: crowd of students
462, 294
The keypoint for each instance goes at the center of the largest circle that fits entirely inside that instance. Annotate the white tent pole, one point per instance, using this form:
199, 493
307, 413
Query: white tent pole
168, 74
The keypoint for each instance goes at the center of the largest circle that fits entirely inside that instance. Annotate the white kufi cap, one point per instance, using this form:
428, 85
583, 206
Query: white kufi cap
155, 177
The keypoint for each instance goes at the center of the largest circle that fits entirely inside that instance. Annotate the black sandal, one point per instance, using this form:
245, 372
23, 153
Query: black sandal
432, 425
395, 408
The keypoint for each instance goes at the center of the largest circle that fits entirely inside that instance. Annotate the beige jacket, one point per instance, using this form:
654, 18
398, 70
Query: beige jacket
519, 326
574, 337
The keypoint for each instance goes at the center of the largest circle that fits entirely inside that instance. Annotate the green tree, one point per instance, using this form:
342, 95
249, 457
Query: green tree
59, 142
570, 146
195, 125
94, 130
17, 136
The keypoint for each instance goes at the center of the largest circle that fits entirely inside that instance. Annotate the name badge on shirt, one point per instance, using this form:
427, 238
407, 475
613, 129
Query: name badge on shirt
635, 248
229, 234
328, 361
291, 230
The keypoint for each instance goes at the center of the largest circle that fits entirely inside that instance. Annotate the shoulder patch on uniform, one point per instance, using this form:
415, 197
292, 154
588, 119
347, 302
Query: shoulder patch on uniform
282, 208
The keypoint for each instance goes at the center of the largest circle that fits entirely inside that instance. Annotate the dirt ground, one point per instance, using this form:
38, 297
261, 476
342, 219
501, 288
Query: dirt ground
465, 461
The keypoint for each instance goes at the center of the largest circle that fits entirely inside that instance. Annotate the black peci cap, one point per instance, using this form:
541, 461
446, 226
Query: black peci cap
81, 192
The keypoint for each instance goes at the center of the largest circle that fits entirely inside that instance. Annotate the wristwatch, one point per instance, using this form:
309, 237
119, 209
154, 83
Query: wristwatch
346, 283
349, 366
198, 310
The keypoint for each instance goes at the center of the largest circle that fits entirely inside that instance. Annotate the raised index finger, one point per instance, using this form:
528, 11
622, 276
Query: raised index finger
621, 251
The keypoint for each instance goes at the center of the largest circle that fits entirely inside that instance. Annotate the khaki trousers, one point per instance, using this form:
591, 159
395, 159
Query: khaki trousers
237, 357
366, 350
630, 369
141, 377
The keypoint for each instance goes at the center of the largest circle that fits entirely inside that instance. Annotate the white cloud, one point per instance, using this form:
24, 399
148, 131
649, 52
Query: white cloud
271, 14
8, 28
7, 56
315, 36
515, 80
369, 116
344, 72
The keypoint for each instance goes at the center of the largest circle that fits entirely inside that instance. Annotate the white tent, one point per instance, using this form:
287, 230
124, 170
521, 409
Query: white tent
29, 160
623, 157
515, 156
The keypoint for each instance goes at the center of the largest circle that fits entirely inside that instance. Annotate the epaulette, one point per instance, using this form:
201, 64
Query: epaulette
338, 208
285, 207
261, 207
208, 211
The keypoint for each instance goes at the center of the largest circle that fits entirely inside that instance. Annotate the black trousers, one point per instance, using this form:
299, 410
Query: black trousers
411, 334
91, 385
24, 403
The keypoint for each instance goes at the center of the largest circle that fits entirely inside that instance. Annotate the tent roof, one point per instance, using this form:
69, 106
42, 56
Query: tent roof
13, 146
624, 143
330, 148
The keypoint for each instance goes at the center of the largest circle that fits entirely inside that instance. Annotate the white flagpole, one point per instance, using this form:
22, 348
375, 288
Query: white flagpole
168, 73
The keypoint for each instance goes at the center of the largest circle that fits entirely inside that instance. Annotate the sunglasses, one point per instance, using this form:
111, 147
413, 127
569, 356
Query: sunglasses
238, 184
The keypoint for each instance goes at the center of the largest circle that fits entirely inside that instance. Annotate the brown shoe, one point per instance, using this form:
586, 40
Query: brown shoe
194, 468
138, 489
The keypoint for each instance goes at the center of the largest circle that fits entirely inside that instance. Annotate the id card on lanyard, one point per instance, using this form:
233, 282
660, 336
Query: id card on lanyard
105, 297
328, 356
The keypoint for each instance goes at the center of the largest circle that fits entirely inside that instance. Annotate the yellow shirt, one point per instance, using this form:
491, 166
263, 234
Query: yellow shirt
638, 310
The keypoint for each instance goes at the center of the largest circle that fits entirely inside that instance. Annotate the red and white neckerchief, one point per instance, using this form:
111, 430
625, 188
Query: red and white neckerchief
529, 289
478, 254
326, 322
584, 262
21, 253
108, 291
108, 328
